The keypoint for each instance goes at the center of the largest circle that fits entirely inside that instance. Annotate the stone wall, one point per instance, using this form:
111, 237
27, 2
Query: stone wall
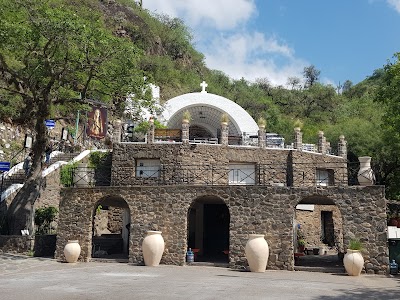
253, 209
277, 166
50, 192
16, 243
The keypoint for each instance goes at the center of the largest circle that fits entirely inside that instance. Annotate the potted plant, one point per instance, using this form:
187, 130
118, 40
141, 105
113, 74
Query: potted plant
353, 260
301, 244
393, 220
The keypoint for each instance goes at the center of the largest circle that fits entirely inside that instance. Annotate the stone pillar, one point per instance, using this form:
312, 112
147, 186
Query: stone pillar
321, 143
116, 137
261, 136
224, 133
185, 131
298, 139
342, 147
150, 132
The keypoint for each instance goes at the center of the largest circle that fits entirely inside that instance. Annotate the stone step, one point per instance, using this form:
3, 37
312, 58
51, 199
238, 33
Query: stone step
333, 270
209, 264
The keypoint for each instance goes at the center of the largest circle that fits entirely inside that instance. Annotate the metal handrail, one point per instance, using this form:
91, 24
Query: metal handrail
274, 174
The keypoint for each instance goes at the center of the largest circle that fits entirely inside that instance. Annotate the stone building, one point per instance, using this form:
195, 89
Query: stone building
213, 188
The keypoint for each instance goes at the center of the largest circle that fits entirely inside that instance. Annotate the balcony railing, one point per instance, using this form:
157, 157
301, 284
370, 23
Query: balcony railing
297, 174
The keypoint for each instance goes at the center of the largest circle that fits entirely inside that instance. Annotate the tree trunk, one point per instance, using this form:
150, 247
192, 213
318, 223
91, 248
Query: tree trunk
21, 213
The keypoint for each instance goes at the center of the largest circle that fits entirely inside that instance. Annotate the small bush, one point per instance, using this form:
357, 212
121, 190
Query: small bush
97, 158
355, 244
43, 218
67, 174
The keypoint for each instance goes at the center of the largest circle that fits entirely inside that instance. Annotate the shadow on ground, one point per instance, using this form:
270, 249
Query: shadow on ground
364, 293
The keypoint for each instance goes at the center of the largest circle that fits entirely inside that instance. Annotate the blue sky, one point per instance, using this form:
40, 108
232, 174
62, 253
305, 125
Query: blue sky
276, 39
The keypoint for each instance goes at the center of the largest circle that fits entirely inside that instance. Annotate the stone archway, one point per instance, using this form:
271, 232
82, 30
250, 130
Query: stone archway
111, 228
319, 223
208, 229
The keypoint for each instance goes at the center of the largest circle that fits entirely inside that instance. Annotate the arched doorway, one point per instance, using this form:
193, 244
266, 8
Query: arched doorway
111, 229
318, 224
208, 229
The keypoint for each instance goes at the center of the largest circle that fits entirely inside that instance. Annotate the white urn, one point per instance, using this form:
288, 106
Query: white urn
353, 262
153, 248
72, 250
365, 175
257, 253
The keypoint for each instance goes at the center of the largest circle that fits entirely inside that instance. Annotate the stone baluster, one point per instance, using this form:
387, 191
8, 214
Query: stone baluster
224, 133
298, 139
261, 136
116, 137
185, 131
321, 143
150, 132
342, 147
328, 147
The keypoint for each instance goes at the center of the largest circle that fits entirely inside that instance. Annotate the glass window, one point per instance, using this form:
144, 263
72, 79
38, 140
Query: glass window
148, 168
242, 174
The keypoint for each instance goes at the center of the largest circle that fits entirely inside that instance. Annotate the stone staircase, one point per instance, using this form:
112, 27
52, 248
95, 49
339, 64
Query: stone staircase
18, 177
63, 157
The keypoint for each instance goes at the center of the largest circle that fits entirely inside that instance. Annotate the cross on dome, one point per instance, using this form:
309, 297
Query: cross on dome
203, 86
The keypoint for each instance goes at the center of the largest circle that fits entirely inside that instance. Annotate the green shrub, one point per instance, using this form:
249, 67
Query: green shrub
67, 174
43, 218
355, 244
96, 158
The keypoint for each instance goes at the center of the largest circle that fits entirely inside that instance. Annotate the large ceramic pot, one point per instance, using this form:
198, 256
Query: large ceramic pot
153, 248
257, 253
365, 175
353, 262
72, 250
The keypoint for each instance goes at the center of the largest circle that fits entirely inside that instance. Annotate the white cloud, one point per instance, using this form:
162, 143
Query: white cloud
395, 4
222, 35
252, 55
220, 14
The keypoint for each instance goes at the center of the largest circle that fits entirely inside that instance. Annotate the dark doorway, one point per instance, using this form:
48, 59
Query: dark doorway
327, 228
216, 231
208, 230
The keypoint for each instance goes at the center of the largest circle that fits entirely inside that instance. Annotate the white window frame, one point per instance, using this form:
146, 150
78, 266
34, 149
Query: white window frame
148, 168
242, 174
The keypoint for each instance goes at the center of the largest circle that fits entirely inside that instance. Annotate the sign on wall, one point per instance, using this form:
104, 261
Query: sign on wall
97, 122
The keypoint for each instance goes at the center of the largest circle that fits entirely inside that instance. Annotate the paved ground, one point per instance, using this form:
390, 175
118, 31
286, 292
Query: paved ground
46, 279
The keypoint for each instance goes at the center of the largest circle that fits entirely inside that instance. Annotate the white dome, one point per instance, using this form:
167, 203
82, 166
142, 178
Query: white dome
206, 110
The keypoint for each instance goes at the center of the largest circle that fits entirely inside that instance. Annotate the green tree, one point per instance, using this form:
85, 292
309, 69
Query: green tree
311, 75
50, 53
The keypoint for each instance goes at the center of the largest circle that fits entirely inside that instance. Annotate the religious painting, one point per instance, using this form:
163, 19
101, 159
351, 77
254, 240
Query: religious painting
97, 122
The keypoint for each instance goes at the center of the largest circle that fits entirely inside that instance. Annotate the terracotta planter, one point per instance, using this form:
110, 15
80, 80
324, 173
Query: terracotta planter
72, 250
257, 253
353, 262
301, 248
365, 174
153, 248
